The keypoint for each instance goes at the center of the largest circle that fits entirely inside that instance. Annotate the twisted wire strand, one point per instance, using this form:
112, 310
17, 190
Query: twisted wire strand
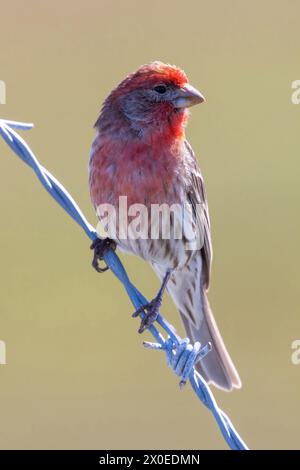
181, 355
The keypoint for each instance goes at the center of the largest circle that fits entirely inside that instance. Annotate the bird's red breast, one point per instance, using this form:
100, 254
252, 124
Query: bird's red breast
145, 172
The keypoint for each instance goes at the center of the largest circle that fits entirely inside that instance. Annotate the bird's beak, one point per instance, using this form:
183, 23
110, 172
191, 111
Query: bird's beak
188, 96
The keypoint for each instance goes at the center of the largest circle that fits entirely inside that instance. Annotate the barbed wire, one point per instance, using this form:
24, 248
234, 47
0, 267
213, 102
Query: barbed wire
181, 355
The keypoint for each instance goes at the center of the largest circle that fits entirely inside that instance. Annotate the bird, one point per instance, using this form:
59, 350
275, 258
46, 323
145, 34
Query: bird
140, 152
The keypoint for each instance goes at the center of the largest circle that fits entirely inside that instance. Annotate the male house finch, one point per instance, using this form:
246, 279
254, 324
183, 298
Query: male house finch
140, 151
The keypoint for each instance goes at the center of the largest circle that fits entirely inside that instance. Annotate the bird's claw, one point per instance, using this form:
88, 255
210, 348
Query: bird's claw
150, 311
100, 247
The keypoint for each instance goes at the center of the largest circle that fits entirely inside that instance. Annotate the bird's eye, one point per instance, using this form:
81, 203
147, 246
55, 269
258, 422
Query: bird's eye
160, 89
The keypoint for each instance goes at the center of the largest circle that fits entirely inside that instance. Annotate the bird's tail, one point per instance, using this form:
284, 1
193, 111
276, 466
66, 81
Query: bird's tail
217, 366
189, 295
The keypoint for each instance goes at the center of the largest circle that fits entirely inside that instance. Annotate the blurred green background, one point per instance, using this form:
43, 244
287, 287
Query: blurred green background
76, 374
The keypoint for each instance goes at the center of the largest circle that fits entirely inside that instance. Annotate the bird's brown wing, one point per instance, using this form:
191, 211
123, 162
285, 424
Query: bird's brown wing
197, 197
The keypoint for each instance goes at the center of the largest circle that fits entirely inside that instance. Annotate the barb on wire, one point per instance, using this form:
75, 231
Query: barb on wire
181, 355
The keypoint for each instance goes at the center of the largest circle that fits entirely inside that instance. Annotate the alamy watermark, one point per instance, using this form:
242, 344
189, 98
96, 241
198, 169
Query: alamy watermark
2, 352
295, 357
295, 97
186, 222
2, 92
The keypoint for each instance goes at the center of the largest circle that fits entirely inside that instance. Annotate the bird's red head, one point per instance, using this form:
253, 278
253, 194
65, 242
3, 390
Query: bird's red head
152, 74
152, 101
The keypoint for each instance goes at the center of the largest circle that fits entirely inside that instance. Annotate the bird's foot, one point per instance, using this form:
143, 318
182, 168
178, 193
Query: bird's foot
100, 247
150, 311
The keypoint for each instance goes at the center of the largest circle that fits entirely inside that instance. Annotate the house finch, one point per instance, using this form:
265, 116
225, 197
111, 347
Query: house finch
140, 151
